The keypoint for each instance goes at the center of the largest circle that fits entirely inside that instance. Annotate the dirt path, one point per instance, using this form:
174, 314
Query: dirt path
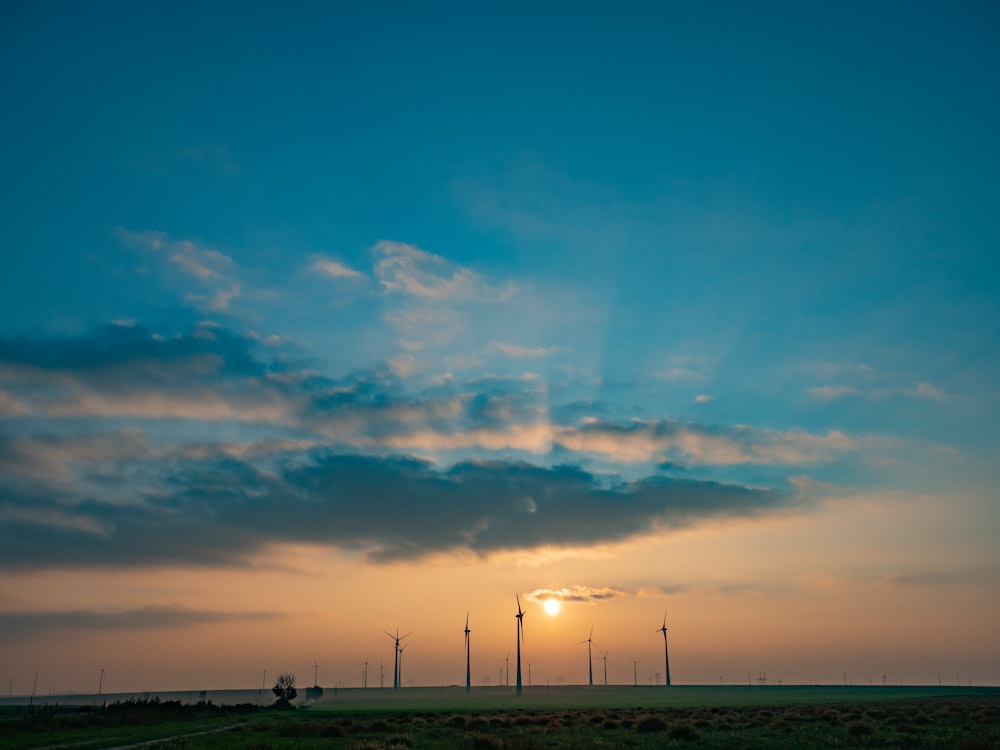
144, 743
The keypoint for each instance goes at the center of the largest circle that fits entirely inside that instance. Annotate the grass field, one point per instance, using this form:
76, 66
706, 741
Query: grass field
578, 717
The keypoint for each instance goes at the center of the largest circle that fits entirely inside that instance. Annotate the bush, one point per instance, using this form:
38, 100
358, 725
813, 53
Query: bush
651, 724
683, 732
859, 731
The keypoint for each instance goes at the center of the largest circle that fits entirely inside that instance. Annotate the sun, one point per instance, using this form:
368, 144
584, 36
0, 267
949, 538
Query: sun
551, 607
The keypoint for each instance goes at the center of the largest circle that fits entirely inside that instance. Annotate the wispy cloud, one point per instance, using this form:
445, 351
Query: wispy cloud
406, 269
987, 574
335, 269
917, 390
577, 594
681, 373
152, 617
213, 269
700, 444
523, 352
703, 398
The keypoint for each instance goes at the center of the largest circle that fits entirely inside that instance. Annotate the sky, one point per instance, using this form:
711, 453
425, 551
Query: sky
325, 319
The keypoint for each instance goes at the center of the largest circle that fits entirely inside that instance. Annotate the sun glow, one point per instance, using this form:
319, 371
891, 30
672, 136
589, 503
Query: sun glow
551, 607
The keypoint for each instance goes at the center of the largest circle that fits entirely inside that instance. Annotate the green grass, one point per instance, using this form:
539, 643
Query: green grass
682, 718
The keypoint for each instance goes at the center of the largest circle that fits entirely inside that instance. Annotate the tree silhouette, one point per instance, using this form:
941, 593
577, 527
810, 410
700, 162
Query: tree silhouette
284, 690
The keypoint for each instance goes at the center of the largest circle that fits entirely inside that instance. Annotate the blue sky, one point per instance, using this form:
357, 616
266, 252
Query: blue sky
478, 268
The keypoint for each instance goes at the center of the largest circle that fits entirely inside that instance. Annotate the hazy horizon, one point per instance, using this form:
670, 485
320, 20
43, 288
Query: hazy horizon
321, 321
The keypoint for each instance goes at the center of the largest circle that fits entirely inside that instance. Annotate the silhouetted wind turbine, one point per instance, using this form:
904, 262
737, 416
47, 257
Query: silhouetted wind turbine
605, 657
590, 661
315, 671
520, 638
401, 650
506, 663
468, 671
666, 655
635, 672
100, 683
364, 679
395, 664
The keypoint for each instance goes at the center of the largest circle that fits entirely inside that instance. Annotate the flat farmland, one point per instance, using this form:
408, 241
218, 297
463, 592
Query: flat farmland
579, 717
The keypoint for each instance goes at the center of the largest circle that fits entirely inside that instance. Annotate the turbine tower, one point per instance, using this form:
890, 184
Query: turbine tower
468, 670
590, 662
364, 679
635, 672
520, 638
100, 683
666, 655
395, 664
605, 657
315, 672
401, 650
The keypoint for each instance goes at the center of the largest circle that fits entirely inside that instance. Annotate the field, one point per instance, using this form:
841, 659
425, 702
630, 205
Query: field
578, 717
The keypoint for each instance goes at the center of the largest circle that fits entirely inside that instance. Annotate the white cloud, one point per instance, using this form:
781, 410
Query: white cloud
703, 398
926, 390
210, 267
699, 445
406, 269
522, 352
918, 390
832, 392
681, 373
334, 269
403, 365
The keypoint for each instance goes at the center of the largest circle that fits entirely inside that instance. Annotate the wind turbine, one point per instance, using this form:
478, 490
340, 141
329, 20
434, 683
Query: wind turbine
590, 662
315, 672
506, 662
401, 650
666, 655
605, 657
635, 672
364, 679
520, 638
100, 683
468, 671
395, 664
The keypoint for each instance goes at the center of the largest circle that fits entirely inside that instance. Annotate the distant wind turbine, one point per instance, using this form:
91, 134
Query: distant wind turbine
666, 655
315, 671
635, 672
100, 683
364, 678
395, 664
605, 657
401, 650
520, 638
468, 670
590, 661
506, 663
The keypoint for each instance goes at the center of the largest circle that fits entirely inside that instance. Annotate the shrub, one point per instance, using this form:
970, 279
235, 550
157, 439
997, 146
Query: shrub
976, 743
650, 724
859, 731
683, 732
482, 741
